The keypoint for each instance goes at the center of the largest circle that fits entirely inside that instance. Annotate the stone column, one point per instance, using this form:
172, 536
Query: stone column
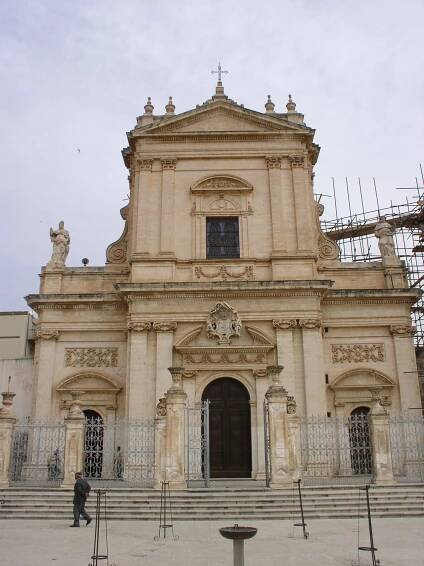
139, 387
380, 438
175, 415
406, 366
285, 352
164, 345
142, 213
261, 383
74, 444
7, 424
45, 355
160, 442
303, 199
276, 395
167, 235
313, 361
273, 163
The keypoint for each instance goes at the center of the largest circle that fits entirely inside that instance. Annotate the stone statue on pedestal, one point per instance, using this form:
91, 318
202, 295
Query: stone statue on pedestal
384, 232
60, 240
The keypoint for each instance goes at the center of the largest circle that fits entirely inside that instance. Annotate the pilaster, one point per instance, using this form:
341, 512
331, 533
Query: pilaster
7, 424
164, 344
176, 400
381, 447
74, 444
167, 232
273, 163
261, 384
140, 391
285, 350
406, 365
45, 355
303, 205
142, 209
313, 363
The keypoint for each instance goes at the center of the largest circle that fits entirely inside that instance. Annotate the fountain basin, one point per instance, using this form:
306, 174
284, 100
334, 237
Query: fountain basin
238, 533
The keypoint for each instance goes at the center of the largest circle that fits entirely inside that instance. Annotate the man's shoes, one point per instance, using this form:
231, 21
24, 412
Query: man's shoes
88, 521
74, 525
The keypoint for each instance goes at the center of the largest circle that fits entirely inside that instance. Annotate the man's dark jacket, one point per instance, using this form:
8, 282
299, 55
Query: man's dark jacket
81, 490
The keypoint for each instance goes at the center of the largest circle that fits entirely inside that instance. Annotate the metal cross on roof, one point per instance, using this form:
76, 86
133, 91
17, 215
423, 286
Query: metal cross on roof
219, 72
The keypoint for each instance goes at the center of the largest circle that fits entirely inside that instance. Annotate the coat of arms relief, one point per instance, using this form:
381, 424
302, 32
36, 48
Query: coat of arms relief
223, 323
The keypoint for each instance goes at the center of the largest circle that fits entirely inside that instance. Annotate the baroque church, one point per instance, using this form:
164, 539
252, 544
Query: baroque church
221, 272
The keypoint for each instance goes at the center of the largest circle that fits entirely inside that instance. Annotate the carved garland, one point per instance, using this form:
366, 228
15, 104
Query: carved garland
356, 353
91, 357
403, 330
224, 272
46, 334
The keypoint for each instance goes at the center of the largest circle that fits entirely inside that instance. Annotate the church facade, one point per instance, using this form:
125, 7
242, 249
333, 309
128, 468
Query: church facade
222, 271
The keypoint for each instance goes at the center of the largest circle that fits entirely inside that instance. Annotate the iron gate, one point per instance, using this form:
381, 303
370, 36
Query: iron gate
336, 448
37, 454
267, 445
407, 445
197, 444
120, 451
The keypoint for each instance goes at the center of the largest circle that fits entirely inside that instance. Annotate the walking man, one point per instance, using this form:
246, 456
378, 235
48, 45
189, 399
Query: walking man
81, 491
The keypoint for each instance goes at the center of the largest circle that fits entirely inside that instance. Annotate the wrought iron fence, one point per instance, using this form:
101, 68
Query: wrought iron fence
336, 449
197, 463
37, 455
123, 451
407, 446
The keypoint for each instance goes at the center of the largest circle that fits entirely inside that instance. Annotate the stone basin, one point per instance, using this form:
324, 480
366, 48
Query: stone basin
238, 533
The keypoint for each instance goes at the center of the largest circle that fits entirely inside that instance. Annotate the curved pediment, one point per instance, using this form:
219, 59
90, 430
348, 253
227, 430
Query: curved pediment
221, 183
362, 379
88, 381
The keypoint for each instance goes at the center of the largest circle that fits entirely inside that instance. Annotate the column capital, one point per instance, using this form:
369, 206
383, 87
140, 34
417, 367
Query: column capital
261, 372
47, 334
168, 164
402, 330
284, 324
274, 373
273, 161
135, 326
145, 164
297, 160
164, 326
310, 323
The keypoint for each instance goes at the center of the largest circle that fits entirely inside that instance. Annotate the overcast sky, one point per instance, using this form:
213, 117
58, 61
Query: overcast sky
75, 74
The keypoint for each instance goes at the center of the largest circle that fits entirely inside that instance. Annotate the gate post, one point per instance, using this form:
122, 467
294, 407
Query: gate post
281, 475
7, 424
294, 440
74, 444
380, 439
175, 412
160, 443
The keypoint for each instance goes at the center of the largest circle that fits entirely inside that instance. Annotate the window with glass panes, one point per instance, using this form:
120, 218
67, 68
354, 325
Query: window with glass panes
222, 237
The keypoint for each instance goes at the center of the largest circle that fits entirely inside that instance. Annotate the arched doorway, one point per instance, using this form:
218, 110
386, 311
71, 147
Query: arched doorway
360, 441
229, 429
93, 444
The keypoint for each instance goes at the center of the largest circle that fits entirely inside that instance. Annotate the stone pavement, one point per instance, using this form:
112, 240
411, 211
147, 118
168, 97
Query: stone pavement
332, 542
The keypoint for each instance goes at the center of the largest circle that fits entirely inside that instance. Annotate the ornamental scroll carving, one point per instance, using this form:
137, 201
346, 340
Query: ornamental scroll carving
161, 407
310, 323
91, 357
273, 161
297, 160
291, 405
356, 353
284, 324
224, 272
402, 330
139, 326
223, 323
168, 164
327, 248
199, 358
220, 183
164, 326
45, 334
117, 251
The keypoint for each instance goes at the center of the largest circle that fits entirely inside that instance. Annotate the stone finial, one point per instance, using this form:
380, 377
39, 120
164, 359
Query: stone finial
148, 107
269, 105
274, 373
7, 402
170, 107
291, 105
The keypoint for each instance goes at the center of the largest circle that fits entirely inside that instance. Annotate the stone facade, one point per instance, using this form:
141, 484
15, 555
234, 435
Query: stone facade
111, 333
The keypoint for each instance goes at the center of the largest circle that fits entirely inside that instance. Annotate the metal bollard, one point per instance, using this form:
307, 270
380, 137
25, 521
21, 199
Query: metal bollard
238, 535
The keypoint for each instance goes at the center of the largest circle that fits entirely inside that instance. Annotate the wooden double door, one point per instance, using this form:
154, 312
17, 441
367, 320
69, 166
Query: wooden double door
229, 429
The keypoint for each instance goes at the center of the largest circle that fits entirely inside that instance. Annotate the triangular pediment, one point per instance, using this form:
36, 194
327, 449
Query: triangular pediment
224, 117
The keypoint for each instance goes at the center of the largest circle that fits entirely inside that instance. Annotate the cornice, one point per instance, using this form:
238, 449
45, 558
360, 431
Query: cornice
88, 301
371, 296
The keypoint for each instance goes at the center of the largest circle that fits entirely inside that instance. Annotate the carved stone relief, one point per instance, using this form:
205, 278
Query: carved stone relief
223, 323
224, 272
310, 323
225, 357
117, 251
327, 248
164, 326
91, 357
46, 334
139, 326
284, 324
356, 353
402, 330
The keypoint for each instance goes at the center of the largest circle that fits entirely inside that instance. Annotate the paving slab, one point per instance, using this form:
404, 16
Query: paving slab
400, 542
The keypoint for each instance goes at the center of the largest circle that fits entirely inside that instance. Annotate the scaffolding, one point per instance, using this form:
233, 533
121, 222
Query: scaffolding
355, 236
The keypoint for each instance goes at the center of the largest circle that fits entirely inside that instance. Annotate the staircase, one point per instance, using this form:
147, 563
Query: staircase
219, 503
